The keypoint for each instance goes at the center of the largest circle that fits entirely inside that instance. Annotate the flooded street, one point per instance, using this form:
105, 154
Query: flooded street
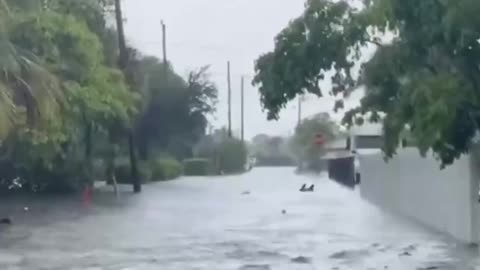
206, 223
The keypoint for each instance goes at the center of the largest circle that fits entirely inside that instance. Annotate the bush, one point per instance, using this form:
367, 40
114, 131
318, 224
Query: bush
197, 167
165, 169
219, 154
232, 156
123, 173
98, 169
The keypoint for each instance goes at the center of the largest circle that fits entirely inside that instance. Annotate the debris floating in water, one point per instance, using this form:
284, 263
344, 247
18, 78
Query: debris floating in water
305, 189
6, 221
302, 259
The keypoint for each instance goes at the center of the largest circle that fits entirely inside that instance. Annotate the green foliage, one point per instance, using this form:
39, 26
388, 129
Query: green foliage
175, 117
232, 156
425, 79
99, 169
29, 92
197, 167
123, 173
308, 48
227, 155
160, 169
165, 169
57, 92
66, 110
271, 151
303, 141
67, 45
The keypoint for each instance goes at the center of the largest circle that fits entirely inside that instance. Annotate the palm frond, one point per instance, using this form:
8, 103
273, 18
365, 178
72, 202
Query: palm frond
30, 84
7, 112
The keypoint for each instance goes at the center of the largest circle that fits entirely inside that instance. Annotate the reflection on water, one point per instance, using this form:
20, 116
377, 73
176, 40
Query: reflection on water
212, 223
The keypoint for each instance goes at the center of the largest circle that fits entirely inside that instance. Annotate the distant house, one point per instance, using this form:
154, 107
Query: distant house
342, 154
366, 136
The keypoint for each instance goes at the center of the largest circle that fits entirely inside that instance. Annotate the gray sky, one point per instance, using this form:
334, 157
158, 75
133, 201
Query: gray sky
211, 32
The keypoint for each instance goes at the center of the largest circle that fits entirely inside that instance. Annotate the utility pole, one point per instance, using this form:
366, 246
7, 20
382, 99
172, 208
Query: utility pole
165, 60
123, 65
242, 110
300, 101
229, 100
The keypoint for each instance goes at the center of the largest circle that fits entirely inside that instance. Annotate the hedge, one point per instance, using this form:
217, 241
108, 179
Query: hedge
197, 167
165, 169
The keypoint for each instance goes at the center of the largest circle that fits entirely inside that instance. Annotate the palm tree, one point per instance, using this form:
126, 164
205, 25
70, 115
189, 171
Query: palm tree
29, 92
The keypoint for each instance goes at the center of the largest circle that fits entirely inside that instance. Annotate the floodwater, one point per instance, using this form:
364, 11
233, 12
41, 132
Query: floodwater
207, 223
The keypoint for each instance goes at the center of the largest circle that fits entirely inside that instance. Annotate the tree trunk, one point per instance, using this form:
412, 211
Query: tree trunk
111, 167
137, 184
88, 153
143, 148
115, 185
123, 64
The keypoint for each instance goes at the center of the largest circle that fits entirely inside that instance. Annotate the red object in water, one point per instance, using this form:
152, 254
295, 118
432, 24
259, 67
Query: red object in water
87, 196
319, 139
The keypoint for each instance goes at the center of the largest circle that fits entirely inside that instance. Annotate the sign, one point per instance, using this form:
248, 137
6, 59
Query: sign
319, 139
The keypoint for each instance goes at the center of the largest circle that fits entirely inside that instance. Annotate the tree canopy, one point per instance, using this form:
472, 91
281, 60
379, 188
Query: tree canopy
303, 141
272, 150
175, 116
64, 102
425, 78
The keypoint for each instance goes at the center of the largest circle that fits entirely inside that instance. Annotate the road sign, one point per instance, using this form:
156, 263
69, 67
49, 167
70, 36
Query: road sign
319, 139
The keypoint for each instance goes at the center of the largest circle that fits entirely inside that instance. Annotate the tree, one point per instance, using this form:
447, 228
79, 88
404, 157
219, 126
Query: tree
303, 142
55, 58
425, 79
228, 155
67, 106
28, 90
272, 150
124, 62
175, 118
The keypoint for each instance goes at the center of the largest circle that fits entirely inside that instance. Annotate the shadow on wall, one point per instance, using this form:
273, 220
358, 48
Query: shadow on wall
342, 170
343, 163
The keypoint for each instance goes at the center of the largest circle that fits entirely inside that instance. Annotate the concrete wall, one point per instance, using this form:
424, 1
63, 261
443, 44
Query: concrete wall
446, 200
368, 142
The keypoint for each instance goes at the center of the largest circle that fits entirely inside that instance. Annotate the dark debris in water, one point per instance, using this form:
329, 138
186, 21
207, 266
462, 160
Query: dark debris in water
255, 267
407, 251
349, 254
6, 221
302, 259
443, 266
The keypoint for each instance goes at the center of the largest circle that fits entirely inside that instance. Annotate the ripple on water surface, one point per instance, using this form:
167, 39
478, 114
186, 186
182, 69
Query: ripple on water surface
209, 224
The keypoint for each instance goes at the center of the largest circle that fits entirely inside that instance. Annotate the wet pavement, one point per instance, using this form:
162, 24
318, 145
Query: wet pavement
213, 223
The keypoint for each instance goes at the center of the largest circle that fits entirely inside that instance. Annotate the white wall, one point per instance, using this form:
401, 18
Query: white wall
446, 200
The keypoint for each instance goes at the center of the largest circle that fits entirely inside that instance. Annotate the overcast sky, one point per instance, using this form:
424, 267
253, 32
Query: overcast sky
211, 32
